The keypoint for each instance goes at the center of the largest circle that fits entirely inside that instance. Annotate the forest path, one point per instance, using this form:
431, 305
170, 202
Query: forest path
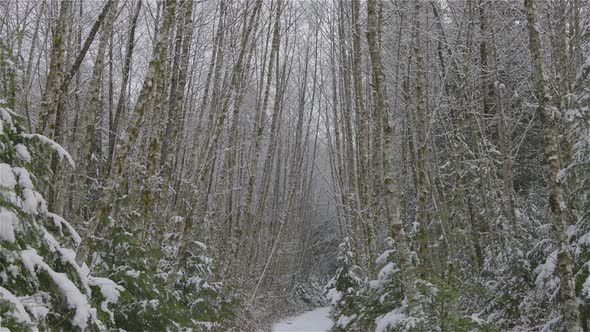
317, 320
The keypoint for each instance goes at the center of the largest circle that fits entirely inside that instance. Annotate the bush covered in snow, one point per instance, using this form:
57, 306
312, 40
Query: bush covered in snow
360, 304
41, 285
156, 300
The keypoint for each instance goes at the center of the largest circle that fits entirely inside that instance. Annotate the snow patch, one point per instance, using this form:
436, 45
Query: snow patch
7, 222
334, 296
390, 319
59, 222
344, 320
317, 320
36, 305
375, 284
382, 259
33, 202
7, 178
61, 152
111, 292
387, 270
545, 273
75, 299
23, 153
132, 274
19, 312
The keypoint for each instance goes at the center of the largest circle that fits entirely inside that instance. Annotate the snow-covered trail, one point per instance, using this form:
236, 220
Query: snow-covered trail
317, 320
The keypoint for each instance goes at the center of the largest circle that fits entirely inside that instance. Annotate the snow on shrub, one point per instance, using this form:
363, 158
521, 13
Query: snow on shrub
41, 285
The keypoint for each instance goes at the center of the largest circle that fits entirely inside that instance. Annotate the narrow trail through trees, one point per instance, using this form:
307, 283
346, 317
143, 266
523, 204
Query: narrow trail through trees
317, 320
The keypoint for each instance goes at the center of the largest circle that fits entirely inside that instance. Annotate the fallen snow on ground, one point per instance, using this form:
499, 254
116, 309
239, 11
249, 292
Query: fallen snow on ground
317, 320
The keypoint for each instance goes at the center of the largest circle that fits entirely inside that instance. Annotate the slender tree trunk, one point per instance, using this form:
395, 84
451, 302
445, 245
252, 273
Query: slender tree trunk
113, 134
123, 153
571, 315
382, 107
89, 118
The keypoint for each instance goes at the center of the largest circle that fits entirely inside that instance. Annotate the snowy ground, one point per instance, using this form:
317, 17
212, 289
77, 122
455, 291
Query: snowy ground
317, 320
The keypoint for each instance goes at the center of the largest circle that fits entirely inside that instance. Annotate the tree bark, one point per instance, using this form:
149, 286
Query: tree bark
382, 107
571, 315
123, 153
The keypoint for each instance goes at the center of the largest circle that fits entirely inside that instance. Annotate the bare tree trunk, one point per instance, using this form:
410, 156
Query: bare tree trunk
27, 82
210, 155
123, 153
87, 138
382, 107
421, 147
504, 107
51, 95
366, 215
113, 135
571, 315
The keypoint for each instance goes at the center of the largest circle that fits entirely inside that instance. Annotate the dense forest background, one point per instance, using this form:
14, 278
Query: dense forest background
215, 165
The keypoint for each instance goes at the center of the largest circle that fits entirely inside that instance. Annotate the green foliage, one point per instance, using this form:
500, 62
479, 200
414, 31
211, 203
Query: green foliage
151, 301
311, 294
41, 285
379, 305
342, 290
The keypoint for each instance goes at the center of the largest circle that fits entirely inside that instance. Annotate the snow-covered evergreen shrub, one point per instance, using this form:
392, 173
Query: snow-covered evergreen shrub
342, 290
384, 302
309, 293
508, 277
41, 285
441, 300
379, 305
542, 305
152, 302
